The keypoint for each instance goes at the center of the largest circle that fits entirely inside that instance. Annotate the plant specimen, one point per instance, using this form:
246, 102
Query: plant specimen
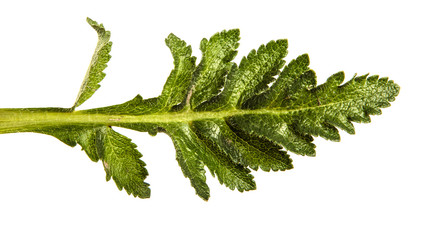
226, 117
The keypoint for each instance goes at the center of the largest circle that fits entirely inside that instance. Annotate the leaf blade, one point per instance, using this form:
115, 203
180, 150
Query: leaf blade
209, 77
98, 63
180, 78
242, 148
120, 158
121, 161
191, 162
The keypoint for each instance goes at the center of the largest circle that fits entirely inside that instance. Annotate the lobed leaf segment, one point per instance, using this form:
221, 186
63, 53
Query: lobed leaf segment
225, 117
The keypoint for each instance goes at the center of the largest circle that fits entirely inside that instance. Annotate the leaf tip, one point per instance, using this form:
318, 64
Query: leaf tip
145, 192
282, 42
93, 23
89, 20
235, 32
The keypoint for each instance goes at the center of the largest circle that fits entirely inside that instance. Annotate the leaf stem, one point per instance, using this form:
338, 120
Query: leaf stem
27, 119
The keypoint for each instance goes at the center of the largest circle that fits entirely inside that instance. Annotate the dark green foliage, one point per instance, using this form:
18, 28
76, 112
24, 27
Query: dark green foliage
229, 119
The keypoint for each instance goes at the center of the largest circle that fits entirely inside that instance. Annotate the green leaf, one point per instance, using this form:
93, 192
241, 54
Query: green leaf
253, 75
194, 152
283, 87
229, 119
190, 154
98, 63
209, 76
244, 149
120, 158
229, 173
122, 162
277, 129
179, 80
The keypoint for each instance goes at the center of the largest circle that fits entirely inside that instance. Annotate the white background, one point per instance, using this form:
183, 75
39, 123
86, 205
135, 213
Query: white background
375, 184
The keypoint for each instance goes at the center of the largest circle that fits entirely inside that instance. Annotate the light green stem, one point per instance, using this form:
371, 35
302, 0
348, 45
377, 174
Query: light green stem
25, 119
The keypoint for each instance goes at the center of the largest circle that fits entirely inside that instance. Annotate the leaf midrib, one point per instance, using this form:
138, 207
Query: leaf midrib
12, 120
